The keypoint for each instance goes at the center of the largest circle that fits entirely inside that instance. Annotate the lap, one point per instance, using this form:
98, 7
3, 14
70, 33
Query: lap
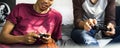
83, 37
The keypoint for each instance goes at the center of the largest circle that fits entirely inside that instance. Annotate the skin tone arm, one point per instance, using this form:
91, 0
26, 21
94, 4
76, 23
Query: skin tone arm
89, 23
30, 38
42, 6
6, 37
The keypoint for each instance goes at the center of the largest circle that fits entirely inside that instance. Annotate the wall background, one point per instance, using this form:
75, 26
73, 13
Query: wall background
11, 3
117, 2
63, 6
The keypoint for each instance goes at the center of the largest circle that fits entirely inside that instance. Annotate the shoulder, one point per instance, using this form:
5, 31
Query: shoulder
56, 13
23, 5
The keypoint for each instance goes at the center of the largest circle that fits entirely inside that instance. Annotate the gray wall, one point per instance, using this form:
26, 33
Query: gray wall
11, 3
63, 6
117, 2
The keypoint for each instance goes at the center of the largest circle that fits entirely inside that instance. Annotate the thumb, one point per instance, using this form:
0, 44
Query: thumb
35, 35
108, 26
94, 21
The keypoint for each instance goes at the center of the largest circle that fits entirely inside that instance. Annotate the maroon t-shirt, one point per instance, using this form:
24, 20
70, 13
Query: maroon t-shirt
27, 20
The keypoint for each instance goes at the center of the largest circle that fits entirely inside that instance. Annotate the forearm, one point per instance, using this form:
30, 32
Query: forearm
9, 39
78, 13
110, 12
79, 24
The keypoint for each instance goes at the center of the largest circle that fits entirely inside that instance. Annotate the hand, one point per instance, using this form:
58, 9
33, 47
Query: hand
112, 32
47, 38
89, 23
30, 38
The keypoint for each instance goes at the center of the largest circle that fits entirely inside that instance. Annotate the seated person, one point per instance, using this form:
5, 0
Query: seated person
91, 13
27, 21
4, 11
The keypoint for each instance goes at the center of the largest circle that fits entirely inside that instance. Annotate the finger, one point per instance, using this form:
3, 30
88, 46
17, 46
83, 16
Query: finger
109, 33
46, 38
48, 34
44, 41
87, 27
112, 29
35, 35
31, 38
95, 21
108, 26
30, 41
90, 21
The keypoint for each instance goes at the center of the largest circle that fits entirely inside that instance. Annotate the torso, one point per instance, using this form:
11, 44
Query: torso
96, 9
31, 21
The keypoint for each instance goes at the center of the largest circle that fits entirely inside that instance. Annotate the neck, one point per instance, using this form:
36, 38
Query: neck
93, 1
37, 9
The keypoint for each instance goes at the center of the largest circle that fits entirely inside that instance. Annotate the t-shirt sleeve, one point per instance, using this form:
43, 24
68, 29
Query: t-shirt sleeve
12, 17
58, 28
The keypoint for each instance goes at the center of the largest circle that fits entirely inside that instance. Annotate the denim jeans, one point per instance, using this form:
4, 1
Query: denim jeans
83, 37
116, 37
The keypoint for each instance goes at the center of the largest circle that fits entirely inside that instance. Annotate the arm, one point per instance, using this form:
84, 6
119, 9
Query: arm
12, 20
5, 36
78, 13
78, 17
110, 12
110, 18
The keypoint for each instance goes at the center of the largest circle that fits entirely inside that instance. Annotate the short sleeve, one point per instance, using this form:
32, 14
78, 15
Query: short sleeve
58, 28
12, 17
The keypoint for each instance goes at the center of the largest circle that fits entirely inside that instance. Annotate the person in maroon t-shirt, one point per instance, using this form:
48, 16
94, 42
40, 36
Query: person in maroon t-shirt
26, 22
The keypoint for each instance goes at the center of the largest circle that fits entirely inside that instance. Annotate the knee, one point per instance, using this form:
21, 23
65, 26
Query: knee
77, 36
83, 38
76, 33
